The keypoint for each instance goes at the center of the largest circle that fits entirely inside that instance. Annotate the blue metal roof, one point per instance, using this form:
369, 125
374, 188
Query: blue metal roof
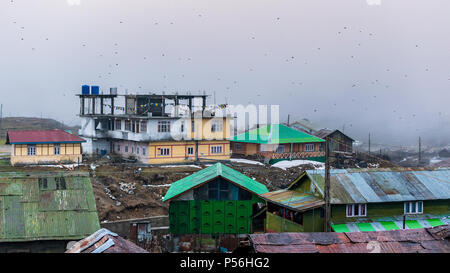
383, 185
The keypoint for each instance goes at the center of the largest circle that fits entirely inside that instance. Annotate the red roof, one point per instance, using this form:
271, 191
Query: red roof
41, 136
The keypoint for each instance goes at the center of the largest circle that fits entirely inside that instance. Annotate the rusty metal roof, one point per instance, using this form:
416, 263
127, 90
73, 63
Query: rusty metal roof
46, 206
293, 199
105, 241
434, 239
385, 185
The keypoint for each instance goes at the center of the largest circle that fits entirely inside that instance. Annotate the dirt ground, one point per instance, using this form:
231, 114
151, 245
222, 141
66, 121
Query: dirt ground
126, 191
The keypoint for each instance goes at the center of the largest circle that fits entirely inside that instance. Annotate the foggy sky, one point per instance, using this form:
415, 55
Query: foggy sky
383, 69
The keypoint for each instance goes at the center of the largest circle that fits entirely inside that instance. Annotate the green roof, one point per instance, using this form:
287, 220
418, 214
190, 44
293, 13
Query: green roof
37, 206
209, 174
275, 134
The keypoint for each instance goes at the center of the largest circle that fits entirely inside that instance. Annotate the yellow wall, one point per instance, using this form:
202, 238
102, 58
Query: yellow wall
178, 151
69, 153
205, 132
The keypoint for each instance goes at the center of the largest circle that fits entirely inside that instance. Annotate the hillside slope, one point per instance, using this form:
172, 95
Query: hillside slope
29, 123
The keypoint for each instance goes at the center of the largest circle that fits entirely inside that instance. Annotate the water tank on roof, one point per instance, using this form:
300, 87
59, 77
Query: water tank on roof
85, 90
113, 90
95, 90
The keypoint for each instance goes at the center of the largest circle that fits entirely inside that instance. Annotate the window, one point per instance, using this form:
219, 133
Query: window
182, 127
126, 149
118, 147
31, 150
57, 149
144, 127
132, 149
280, 149
414, 207
309, 147
193, 126
190, 150
238, 146
118, 124
43, 183
163, 126
164, 151
127, 125
143, 151
216, 149
356, 210
216, 125
60, 183
137, 150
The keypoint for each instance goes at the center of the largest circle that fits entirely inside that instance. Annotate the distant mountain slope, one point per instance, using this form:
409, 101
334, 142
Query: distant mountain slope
25, 123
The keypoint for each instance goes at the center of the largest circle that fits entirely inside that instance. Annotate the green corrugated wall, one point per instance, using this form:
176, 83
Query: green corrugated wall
211, 216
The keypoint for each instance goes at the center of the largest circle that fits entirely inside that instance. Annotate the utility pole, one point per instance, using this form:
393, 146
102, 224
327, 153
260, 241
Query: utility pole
327, 186
288, 120
1, 118
420, 151
369, 143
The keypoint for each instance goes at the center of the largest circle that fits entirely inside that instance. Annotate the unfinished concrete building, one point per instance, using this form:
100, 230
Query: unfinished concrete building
154, 129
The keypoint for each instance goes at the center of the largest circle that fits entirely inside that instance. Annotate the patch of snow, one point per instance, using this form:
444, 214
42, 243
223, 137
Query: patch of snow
240, 160
435, 160
295, 163
58, 166
175, 166
157, 186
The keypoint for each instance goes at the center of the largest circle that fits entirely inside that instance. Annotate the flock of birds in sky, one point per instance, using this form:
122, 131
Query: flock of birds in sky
229, 86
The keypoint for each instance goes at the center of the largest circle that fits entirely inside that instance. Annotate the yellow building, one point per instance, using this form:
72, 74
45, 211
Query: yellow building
44, 147
208, 139
202, 138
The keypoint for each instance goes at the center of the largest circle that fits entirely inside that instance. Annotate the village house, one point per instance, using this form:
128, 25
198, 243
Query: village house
277, 142
44, 147
215, 200
43, 212
361, 200
339, 142
154, 129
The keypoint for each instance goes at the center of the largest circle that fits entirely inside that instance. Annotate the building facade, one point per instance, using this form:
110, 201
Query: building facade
154, 129
215, 200
339, 142
278, 142
44, 147
42, 212
362, 200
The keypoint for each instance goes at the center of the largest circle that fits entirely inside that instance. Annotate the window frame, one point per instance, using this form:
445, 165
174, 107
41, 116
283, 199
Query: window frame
164, 126
215, 149
31, 149
216, 125
56, 149
280, 149
161, 153
310, 145
361, 208
416, 206
190, 148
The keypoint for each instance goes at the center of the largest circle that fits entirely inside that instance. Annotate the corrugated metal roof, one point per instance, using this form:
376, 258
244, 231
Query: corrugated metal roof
38, 206
41, 136
105, 241
210, 173
293, 199
275, 134
390, 225
396, 241
323, 133
362, 186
